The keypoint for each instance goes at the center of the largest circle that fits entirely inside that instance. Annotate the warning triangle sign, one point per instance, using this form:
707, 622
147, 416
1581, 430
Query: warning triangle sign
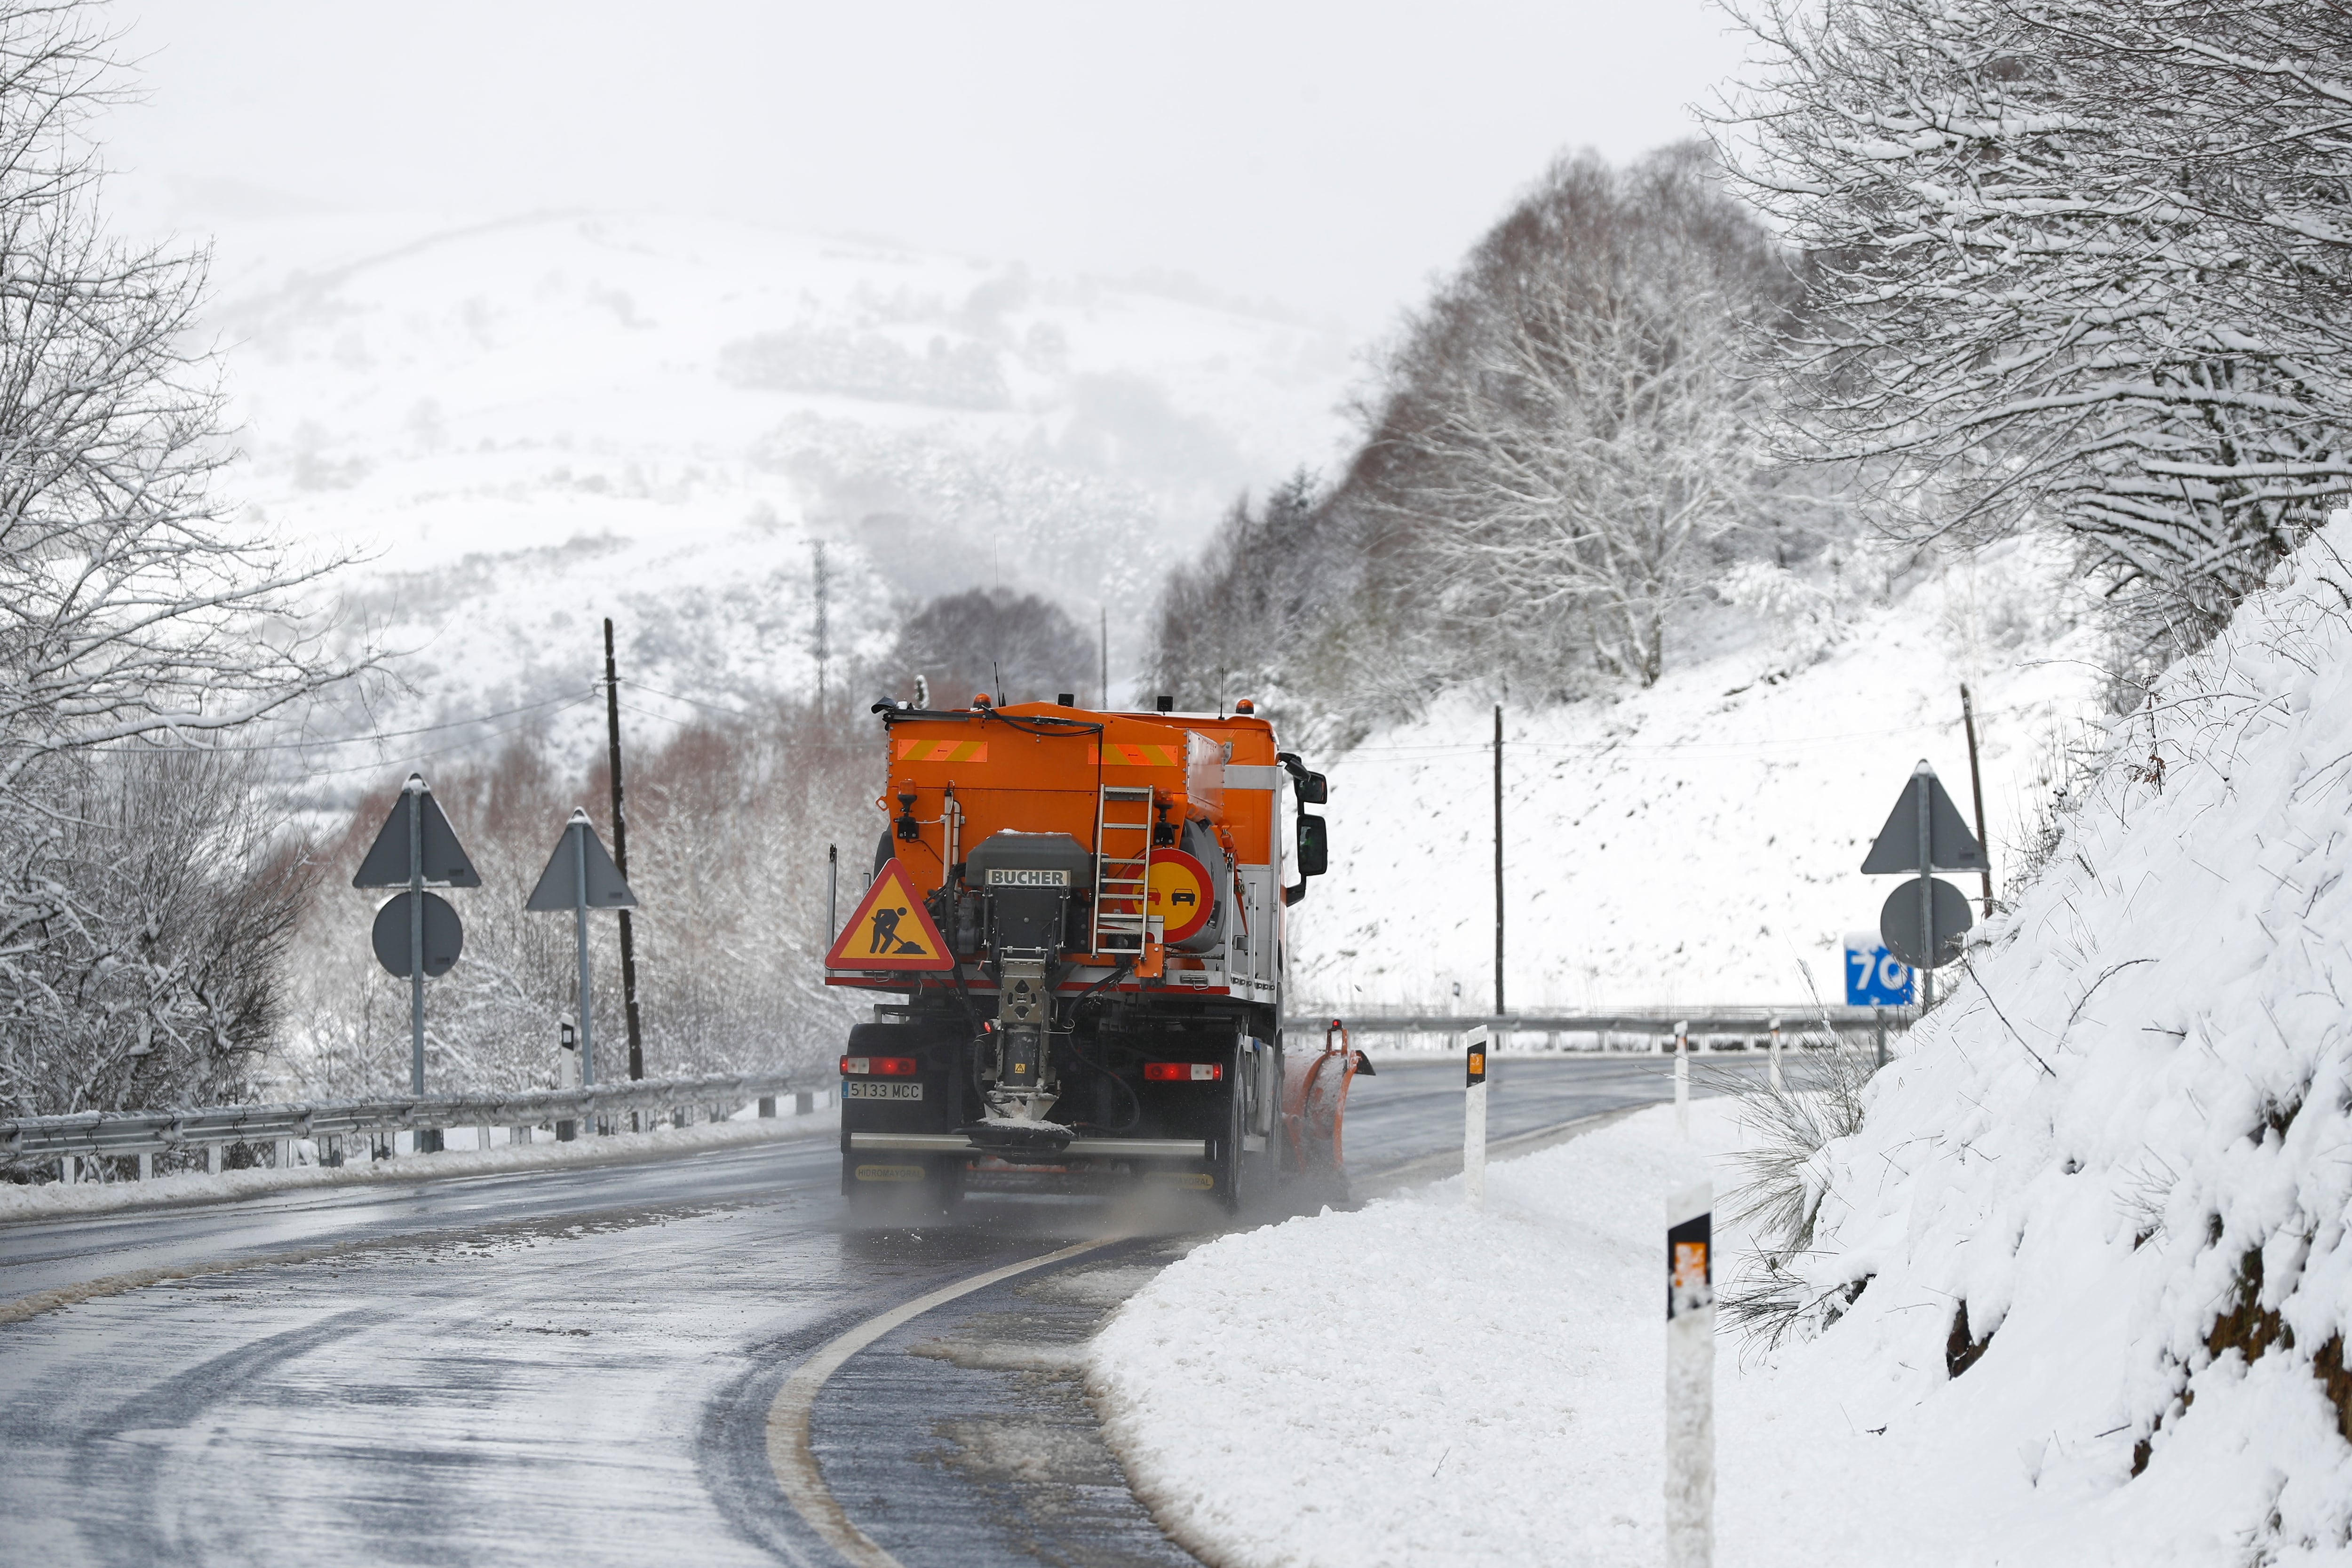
443, 862
889, 929
1950, 845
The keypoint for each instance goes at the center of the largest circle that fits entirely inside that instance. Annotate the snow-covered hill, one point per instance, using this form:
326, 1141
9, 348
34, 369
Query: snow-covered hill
1696, 842
529, 425
2116, 1168
2076, 1293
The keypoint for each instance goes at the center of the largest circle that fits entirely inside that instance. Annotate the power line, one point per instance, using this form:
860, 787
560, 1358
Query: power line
356, 740
465, 745
689, 701
1433, 750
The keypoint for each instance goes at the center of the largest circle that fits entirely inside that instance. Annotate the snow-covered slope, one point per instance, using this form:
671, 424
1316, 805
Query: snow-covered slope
529, 425
2124, 1146
1696, 842
2078, 1293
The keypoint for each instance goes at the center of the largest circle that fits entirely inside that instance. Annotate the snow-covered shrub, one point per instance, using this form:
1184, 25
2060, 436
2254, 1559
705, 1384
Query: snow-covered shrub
1803, 615
1820, 1101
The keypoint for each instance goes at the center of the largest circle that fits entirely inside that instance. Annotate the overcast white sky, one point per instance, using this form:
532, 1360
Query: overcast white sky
1330, 156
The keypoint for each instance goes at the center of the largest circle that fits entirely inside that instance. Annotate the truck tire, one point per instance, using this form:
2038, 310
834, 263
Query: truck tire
1230, 1164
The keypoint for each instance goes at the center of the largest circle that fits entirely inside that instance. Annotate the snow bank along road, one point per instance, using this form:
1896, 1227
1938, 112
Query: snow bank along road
587, 1365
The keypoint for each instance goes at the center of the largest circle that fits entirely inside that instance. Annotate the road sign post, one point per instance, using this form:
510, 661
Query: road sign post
1690, 1377
581, 875
567, 1074
414, 846
1924, 833
1473, 1115
1682, 1081
1919, 786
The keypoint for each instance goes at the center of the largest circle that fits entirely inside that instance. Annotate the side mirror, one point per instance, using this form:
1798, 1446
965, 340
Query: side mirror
1314, 847
1312, 789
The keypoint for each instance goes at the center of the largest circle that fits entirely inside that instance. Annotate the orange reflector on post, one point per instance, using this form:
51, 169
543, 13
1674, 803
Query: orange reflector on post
1184, 1072
878, 1066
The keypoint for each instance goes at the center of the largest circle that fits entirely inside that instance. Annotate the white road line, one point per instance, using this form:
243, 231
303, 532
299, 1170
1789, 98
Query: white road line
1448, 1162
789, 1451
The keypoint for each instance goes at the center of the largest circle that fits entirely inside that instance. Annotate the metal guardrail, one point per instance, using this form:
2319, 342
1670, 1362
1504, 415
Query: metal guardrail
36, 1138
1647, 1022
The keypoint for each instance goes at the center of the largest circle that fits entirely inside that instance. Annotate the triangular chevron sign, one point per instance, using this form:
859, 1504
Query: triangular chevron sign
889, 929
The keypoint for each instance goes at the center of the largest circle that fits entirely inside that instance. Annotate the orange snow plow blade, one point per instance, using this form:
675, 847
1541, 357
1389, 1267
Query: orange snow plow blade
1315, 1101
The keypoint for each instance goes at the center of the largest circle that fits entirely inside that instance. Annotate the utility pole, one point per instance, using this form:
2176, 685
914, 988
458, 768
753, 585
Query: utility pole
1976, 783
621, 858
820, 643
1499, 859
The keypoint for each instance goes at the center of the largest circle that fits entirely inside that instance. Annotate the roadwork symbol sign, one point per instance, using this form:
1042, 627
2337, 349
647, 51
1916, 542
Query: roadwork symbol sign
889, 929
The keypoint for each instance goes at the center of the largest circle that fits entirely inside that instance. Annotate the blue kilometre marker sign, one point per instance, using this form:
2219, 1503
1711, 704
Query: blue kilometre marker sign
1874, 977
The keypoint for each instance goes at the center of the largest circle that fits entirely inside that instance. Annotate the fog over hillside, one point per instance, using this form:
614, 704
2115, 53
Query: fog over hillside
525, 425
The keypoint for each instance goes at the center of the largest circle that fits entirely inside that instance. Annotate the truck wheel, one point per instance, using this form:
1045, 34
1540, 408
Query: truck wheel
1231, 1164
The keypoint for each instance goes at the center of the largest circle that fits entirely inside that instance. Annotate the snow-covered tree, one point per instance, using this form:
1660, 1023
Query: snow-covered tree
1021, 647
1553, 447
1589, 428
1220, 630
2034, 226
728, 822
137, 619
1592, 431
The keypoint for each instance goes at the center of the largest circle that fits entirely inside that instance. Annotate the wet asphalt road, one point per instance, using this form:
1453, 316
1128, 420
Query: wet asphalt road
578, 1367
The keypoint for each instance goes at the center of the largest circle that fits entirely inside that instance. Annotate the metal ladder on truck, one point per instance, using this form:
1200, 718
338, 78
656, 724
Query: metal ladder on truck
1122, 880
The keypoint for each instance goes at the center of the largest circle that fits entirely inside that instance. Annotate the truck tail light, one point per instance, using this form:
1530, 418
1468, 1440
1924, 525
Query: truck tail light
878, 1066
1184, 1072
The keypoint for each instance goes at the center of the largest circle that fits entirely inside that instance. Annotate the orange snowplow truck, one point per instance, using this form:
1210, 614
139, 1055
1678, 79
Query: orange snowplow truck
1083, 913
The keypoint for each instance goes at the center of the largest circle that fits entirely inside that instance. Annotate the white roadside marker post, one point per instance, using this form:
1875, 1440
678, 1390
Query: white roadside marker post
1775, 1056
1474, 1118
1690, 1378
1681, 1080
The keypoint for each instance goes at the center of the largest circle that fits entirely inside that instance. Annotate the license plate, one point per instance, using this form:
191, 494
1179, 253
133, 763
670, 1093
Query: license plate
853, 1090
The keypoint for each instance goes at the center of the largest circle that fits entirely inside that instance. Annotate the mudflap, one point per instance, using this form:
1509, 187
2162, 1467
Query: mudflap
888, 1190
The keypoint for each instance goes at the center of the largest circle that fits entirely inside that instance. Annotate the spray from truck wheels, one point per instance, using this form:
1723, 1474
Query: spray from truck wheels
1080, 917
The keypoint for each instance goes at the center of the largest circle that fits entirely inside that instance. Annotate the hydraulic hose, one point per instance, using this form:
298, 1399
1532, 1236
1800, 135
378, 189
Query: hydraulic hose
1134, 1101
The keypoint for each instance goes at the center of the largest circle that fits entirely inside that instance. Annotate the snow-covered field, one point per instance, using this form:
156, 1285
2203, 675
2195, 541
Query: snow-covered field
1699, 841
1414, 1383
1417, 1383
